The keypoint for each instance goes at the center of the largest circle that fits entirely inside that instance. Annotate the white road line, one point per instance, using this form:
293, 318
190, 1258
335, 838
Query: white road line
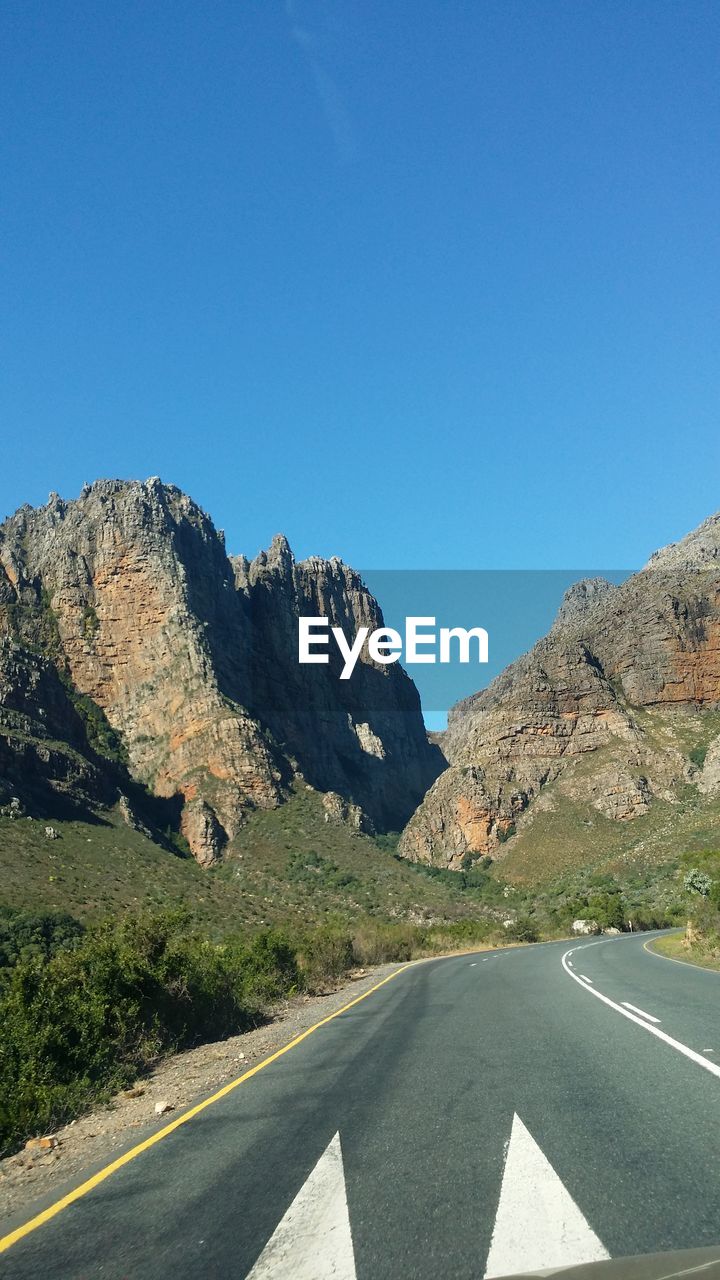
474, 964
582, 975
640, 1022
538, 1224
312, 1241
649, 1016
570, 963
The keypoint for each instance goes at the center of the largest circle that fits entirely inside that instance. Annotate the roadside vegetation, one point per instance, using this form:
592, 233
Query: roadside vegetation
116, 952
700, 941
84, 1011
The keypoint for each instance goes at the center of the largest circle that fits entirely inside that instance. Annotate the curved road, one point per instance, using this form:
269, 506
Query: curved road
473, 1116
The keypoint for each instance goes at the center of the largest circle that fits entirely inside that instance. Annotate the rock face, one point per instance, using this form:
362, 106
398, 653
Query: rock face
364, 737
613, 654
129, 594
45, 755
709, 781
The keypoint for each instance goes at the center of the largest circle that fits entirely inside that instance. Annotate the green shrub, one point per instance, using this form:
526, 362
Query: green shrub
521, 930
324, 956
696, 881
84, 1022
27, 934
385, 944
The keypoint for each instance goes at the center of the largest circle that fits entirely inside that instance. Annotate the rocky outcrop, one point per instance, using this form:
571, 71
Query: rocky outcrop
339, 811
708, 783
148, 625
364, 737
614, 655
45, 755
191, 661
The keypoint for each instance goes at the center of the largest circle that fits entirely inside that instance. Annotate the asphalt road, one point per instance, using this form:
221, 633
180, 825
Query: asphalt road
474, 1116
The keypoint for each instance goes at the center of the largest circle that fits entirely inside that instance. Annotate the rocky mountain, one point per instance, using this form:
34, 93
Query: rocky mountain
616, 710
362, 738
140, 651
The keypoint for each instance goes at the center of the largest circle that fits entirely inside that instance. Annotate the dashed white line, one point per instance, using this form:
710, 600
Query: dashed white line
643, 1014
582, 975
687, 1052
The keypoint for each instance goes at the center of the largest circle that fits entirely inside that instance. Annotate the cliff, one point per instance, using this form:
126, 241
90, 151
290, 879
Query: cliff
362, 737
615, 709
128, 598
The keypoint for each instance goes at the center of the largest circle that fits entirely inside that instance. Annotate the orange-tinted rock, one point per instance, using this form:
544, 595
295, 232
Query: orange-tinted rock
651, 643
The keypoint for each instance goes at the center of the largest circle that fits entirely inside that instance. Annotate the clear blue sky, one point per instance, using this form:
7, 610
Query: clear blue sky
423, 283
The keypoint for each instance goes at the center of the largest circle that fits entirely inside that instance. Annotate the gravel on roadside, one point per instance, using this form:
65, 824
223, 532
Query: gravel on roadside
158, 1097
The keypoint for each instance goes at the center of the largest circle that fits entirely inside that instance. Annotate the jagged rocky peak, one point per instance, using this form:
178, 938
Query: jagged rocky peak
363, 738
147, 623
581, 599
700, 549
192, 658
614, 652
277, 559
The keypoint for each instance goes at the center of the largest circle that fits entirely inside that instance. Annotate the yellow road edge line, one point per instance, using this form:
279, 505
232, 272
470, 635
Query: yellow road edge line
6, 1242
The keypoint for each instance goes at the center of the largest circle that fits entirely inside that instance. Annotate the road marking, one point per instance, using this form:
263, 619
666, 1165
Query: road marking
538, 1224
649, 1016
474, 964
6, 1242
582, 975
686, 964
313, 1241
640, 1022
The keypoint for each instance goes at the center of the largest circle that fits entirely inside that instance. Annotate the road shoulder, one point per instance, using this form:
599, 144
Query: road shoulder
674, 947
36, 1174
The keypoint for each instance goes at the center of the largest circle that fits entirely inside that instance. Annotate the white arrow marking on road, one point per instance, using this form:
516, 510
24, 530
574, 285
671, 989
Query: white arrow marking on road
313, 1240
538, 1225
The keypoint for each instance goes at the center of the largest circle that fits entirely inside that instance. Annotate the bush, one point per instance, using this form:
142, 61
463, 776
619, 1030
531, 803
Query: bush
521, 930
324, 956
271, 967
385, 944
84, 1022
696, 881
28, 934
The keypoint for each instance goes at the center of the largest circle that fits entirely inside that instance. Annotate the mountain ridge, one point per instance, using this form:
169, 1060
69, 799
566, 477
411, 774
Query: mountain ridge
128, 590
614, 652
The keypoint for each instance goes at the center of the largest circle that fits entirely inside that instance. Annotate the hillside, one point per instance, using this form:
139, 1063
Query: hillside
291, 866
600, 747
